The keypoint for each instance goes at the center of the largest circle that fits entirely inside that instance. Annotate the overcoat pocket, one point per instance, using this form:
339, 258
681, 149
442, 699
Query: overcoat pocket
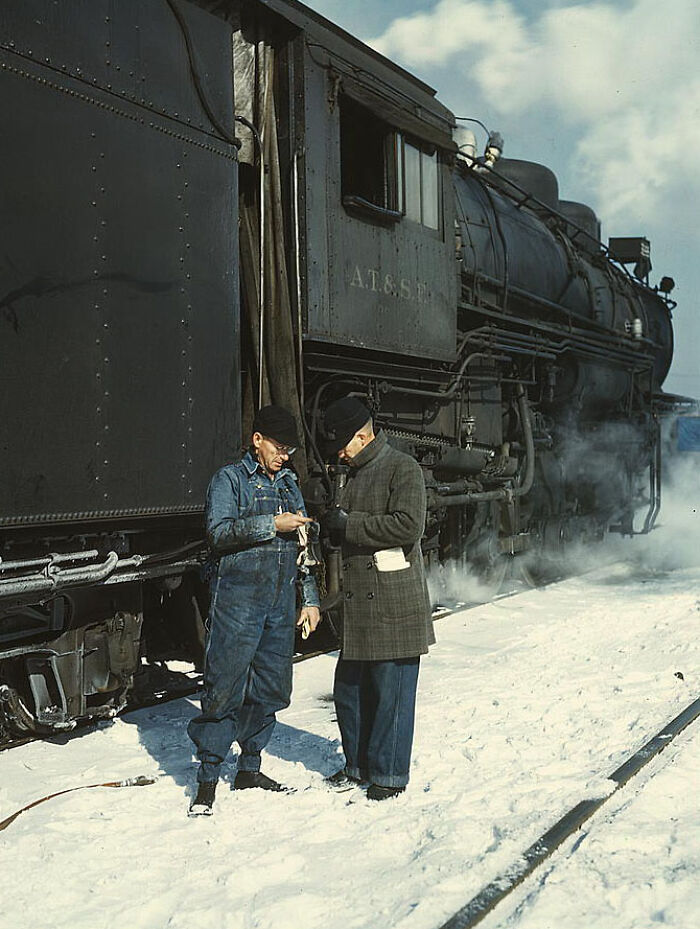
399, 594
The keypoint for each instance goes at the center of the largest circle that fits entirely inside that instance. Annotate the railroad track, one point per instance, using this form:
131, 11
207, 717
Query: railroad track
490, 896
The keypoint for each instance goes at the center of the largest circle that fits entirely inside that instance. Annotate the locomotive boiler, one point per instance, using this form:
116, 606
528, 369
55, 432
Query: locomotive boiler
212, 205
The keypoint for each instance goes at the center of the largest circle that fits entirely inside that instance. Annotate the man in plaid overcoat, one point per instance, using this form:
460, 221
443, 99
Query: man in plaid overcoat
387, 622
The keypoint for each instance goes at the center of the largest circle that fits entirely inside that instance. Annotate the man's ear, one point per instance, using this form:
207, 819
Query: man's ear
257, 439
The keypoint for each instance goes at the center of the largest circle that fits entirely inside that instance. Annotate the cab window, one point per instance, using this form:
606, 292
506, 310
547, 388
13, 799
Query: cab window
383, 174
367, 157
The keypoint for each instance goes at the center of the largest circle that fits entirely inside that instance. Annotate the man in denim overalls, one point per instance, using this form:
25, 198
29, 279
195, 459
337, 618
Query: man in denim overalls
254, 509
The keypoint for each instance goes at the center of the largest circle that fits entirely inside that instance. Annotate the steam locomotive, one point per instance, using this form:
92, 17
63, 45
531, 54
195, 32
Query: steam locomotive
214, 204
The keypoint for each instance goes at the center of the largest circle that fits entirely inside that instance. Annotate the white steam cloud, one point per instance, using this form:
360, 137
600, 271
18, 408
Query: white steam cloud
674, 544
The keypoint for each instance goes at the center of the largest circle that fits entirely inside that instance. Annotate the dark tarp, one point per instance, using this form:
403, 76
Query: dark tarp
254, 71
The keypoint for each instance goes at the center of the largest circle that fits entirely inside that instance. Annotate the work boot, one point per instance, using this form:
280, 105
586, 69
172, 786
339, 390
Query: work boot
204, 801
341, 780
244, 780
375, 792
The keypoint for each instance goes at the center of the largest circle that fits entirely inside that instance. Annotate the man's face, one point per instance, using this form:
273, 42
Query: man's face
272, 455
354, 446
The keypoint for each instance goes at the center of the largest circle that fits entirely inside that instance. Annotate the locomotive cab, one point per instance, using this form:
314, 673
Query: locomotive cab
358, 220
379, 252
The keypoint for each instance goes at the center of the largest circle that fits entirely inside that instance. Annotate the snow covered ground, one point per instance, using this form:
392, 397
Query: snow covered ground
635, 864
525, 705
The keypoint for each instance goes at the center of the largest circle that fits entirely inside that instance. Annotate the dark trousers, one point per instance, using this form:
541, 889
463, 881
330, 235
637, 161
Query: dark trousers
375, 702
248, 671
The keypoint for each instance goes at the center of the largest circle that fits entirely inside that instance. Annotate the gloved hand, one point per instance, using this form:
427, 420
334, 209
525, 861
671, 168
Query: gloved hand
333, 525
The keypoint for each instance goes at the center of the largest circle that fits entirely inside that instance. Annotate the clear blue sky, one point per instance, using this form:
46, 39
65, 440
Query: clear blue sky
605, 93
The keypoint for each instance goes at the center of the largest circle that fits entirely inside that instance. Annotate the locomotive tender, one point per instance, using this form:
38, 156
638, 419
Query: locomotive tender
212, 204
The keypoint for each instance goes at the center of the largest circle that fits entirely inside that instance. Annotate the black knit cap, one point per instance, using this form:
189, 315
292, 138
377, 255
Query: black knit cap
274, 422
342, 420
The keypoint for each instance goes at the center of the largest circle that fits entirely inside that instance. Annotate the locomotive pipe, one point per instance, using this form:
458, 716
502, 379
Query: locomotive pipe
451, 390
334, 593
334, 567
654, 483
477, 496
48, 560
603, 333
261, 254
503, 493
526, 346
504, 247
526, 423
57, 578
453, 487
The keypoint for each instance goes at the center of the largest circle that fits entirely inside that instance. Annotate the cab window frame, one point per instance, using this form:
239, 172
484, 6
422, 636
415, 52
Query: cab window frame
385, 175
421, 203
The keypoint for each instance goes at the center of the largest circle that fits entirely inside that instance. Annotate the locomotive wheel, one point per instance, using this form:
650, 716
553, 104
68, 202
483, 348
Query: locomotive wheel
482, 553
491, 566
547, 562
534, 574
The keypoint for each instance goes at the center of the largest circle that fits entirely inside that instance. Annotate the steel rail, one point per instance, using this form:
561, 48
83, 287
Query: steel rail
490, 896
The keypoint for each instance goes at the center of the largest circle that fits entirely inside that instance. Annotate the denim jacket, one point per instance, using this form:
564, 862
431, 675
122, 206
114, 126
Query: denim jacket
242, 502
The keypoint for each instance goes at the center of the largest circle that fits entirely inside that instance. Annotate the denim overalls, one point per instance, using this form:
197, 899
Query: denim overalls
250, 641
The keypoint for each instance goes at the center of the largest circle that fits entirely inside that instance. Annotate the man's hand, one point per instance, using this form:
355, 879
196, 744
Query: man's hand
290, 522
333, 524
309, 618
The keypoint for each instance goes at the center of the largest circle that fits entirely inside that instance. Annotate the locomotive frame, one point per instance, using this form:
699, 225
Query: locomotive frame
478, 315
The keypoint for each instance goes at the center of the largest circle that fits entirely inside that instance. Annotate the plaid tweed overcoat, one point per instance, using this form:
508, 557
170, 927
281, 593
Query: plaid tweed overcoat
386, 614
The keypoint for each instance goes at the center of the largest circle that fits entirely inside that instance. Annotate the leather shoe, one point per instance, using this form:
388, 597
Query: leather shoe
245, 780
204, 801
375, 792
341, 780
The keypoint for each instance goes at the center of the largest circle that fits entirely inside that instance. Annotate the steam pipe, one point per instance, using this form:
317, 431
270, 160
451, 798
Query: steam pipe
334, 593
261, 255
451, 390
503, 493
605, 333
477, 496
55, 578
100, 572
297, 277
654, 484
453, 487
47, 560
334, 565
506, 342
526, 424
